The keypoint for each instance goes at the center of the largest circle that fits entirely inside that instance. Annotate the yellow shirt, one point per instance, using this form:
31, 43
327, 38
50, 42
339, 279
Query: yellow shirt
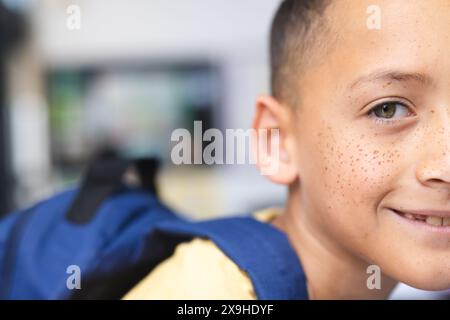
198, 269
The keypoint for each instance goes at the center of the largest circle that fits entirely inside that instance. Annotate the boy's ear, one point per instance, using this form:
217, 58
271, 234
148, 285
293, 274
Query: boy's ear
273, 147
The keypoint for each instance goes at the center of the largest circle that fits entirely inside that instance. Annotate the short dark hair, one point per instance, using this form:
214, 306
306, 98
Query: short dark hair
293, 34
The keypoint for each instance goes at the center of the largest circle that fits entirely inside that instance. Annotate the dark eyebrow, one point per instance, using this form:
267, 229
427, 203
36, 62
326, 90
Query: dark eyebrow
392, 75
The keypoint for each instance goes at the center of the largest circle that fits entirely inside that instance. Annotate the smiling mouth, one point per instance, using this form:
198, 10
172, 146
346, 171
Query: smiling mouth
435, 221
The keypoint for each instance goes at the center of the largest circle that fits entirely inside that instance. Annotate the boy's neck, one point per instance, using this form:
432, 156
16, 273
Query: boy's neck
332, 272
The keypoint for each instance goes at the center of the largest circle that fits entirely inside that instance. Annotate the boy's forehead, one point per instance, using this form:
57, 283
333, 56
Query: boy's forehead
411, 35
356, 14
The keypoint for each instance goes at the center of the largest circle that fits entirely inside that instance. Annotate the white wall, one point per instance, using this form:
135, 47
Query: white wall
147, 28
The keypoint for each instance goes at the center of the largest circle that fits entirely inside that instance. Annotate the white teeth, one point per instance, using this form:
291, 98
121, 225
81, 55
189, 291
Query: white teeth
431, 220
446, 221
435, 221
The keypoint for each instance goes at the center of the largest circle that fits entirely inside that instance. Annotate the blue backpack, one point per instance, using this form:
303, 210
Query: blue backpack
114, 235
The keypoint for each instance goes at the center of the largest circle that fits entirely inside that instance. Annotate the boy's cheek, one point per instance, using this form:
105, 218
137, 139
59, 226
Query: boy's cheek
346, 163
353, 166
348, 177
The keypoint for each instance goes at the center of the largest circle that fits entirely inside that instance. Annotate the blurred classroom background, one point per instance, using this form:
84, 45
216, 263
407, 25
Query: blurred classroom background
133, 72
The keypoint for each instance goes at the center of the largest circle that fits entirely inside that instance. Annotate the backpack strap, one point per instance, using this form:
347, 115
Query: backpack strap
258, 248
103, 178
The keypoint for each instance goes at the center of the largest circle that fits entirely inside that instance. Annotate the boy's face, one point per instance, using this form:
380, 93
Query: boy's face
372, 138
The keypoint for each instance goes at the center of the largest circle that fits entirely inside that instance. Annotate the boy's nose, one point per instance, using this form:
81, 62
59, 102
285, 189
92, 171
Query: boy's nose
433, 169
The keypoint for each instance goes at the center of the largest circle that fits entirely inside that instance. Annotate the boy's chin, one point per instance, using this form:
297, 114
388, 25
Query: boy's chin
430, 286
436, 280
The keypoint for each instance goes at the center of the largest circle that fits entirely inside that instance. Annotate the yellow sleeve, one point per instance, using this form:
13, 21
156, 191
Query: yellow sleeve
196, 270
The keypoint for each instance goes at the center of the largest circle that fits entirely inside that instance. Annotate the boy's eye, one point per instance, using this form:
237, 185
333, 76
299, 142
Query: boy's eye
389, 110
